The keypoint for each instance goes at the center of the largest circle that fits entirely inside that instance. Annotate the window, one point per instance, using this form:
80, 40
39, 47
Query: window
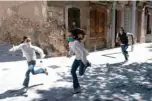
73, 18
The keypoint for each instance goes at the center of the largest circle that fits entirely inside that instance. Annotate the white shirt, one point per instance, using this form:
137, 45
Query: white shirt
29, 51
79, 50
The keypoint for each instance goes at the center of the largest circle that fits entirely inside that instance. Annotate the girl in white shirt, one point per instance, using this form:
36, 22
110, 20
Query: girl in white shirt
77, 48
28, 51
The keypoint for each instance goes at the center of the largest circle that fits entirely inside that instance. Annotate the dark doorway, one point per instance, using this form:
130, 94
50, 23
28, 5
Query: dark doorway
148, 24
73, 18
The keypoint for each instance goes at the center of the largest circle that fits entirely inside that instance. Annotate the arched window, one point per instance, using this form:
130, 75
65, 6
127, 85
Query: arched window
73, 18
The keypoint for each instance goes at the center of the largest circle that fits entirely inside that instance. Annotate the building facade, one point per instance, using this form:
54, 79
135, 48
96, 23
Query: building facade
48, 22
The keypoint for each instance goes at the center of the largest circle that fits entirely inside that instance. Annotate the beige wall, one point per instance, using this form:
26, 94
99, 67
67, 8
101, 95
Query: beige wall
18, 17
27, 9
32, 10
23, 18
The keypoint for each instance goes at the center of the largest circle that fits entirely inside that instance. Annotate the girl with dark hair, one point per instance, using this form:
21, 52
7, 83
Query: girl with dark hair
77, 33
29, 52
76, 47
24, 38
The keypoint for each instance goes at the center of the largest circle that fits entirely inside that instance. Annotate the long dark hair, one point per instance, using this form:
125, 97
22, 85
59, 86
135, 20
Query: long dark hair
24, 38
76, 32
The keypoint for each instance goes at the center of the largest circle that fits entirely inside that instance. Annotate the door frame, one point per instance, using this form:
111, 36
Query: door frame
101, 8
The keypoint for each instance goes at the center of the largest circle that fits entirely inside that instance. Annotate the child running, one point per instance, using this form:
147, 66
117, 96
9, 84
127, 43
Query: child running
123, 39
29, 52
77, 48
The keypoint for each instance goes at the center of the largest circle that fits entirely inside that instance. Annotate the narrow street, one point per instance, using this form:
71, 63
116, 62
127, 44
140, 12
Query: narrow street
109, 78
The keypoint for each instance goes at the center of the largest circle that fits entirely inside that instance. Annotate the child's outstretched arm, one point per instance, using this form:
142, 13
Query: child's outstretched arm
15, 48
40, 51
132, 37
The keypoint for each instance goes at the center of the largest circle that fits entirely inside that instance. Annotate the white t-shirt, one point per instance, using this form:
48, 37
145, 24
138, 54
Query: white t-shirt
29, 51
79, 50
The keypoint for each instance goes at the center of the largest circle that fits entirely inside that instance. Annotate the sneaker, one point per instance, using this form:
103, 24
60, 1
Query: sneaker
76, 91
88, 65
125, 61
126, 57
45, 71
25, 89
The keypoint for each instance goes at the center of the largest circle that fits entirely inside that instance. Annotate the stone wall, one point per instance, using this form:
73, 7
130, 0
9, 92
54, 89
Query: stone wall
48, 35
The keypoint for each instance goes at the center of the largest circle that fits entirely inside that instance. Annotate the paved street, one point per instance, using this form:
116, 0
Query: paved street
109, 78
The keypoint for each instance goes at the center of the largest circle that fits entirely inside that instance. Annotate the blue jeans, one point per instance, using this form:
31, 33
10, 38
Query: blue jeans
31, 66
124, 50
75, 65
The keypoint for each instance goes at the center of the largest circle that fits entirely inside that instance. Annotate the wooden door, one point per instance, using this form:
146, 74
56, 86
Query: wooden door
97, 28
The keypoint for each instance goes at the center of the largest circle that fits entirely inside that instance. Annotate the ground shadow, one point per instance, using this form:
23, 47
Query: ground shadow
149, 46
16, 92
150, 50
55, 94
5, 69
131, 82
108, 55
54, 66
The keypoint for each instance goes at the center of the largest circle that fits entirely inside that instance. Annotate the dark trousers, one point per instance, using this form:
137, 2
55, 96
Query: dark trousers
75, 65
31, 66
124, 50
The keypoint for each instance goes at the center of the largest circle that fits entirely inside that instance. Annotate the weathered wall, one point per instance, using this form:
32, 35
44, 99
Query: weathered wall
27, 19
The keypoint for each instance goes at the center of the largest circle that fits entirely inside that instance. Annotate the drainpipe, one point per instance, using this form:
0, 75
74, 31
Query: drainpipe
113, 23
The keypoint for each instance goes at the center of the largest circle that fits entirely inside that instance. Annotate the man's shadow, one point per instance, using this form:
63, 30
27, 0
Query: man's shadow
16, 92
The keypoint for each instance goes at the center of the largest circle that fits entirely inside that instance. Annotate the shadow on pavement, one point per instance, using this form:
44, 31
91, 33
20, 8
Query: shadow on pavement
55, 94
54, 66
16, 92
149, 46
5, 69
116, 82
108, 55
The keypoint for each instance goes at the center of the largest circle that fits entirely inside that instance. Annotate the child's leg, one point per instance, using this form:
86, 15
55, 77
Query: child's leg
124, 51
83, 67
75, 65
27, 75
39, 71
27, 78
34, 72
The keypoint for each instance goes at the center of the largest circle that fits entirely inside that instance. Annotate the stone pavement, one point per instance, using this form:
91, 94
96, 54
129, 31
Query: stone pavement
109, 78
